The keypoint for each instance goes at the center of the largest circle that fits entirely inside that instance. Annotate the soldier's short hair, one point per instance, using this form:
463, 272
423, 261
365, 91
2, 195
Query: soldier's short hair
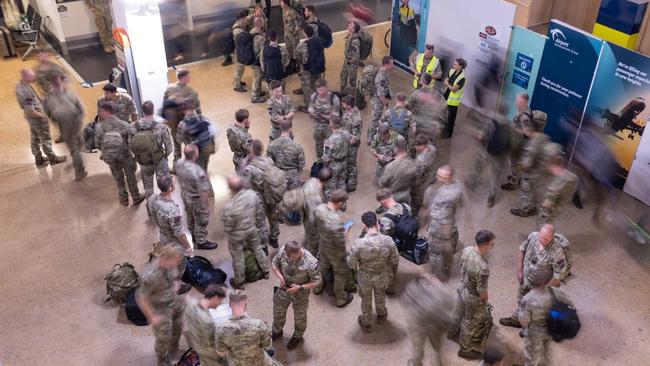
429, 47
241, 115
181, 73
321, 83
426, 79
273, 35
109, 107
325, 174
275, 84
400, 144
111, 88
257, 147
165, 182
383, 194
421, 140
213, 290
286, 125
242, 14
309, 31
335, 121
311, 9
484, 237
348, 99
357, 26
447, 168
237, 296
386, 60
292, 247
369, 219
191, 152
147, 108
401, 97
339, 196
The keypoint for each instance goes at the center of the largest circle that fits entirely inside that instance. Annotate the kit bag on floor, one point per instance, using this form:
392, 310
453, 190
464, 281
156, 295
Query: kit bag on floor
189, 358
120, 281
252, 270
133, 312
563, 321
200, 273
419, 253
88, 134
315, 168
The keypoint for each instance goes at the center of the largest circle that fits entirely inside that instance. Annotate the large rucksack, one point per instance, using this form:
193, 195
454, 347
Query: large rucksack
398, 122
132, 310
316, 59
539, 119
324, 33
275, 183
244, 48
293, 202
200, 273
228, 42
120, 281
499, 142
273, 67
406, 229
563, 321
366, 84
113, 146
420, 252
144, 145
365, 45
88, 135
252, 271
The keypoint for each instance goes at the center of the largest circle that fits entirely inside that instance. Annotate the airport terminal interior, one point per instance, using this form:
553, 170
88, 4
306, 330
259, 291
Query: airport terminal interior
61, 237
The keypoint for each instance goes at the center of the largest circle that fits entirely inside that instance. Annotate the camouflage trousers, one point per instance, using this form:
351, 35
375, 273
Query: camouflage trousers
293, 179
333, 259
168, 333
443, 240
275, 131
515, 172
178, 147
349, 78
258, 76
536, 345
379, 171
72, 139
198, 215
237, 242
496, 165
312, 237
352, 171
239, 73
548, 215
367, 285
524, 288
321, 132
417, 197
203, 161
272, 211
40, 138
418, 335
300, 303
308, 85
238, 162
125, 169
338, 168
104, 24
469, 317
528, 191
147, 172
377, 111
291, 42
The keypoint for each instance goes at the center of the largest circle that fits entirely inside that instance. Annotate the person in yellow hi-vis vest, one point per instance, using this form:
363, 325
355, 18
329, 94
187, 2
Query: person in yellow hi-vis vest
406, 13
426, 63
455, 84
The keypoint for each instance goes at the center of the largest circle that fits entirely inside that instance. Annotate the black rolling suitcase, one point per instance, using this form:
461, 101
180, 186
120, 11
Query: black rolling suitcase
133, 312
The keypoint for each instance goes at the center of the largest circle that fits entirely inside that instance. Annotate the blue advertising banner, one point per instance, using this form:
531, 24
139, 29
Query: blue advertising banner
565, 75
408, 22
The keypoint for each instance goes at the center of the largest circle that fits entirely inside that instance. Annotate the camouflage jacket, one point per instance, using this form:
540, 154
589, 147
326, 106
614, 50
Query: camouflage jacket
474, 272
382, 83
115, 124
446, 201
239, 140
245, 340
385, 147
166, 214
399, 175
386, 225
425, 167
125, 106
301, 272
28, 100
321, 109
561, 189
352, 50
286, 154
182, 92
551, 256
533, 156
373, 254
313, 193
242, 212
330, 227
192, 178
157, 286
45, 71
199, 327
291, 20
160, 132
336, 146
352, 123
279, 108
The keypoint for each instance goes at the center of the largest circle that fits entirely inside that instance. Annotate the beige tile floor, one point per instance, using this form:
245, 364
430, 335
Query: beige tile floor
59, 238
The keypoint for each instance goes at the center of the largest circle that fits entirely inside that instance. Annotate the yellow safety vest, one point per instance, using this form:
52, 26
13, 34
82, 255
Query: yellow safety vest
431, 66
455, 96
406, 14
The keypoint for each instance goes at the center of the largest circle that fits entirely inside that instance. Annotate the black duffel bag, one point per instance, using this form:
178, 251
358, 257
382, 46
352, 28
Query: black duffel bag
200, 273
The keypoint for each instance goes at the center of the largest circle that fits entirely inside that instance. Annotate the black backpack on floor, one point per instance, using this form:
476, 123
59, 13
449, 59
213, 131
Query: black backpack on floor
133, 312
406, 230
563, 322
200, 273
419, 254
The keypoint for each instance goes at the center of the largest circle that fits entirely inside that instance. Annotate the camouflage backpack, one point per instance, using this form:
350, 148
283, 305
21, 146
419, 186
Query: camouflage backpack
113, 146
365, 44
564, 243
145, 147
120, 281
366, 83
275, 183
539, 119
292, 206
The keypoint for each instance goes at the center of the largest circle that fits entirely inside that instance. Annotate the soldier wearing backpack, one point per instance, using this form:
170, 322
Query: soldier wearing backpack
274, 60
259, 41
321, 30
179, 94
310, 53
151, 144
524, 117
292, 21
125, 107
243, 49
399, 118
380, 95
351, 58
323, 104
400, 173
112, 137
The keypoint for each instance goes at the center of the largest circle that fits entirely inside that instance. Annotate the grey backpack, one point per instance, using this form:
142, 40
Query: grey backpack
113, 146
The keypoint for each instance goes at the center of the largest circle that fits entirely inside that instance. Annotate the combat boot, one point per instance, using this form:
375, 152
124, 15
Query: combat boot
303, 109
55, 159
348, 299
138, 200
509, 186
293, 342
381, 319
236, 286
470, 354
490, 201
41, 162
81, 175
240, 89
510, 322
277, 335
273, 243
257, 99
365, 327
208, 245
522, 213
227, 61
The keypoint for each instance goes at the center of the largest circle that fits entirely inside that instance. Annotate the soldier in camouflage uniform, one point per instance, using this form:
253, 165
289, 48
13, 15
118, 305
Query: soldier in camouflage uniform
312, 191
287, 155
292, 22
46, 70
200, 327
472, 309
242, 217
380, 96
164, 140
383, 148
399, 118
125, 107
196, 129
259, 41
390, 208
524, 117
39, 128
157, 298
352, 123
241, 339
335, 155
241, 25
330, 225
323, 105
308, 78
180, 93
425, 159
122, 163
442, 233
239, 139
298, 272
280, 108
541, 250
195, 191
559, 191
400, 174
103, 21
351, 54
429, 109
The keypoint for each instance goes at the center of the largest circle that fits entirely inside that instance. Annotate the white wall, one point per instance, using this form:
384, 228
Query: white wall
51, 20
80, 21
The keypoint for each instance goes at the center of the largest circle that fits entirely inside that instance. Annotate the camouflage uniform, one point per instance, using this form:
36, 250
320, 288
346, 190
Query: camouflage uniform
535, 256
194, 181
47, 70
179, 93
559, 191
236, 29
351, 56
384, 147
284, 57
66, 109
240, 141
471, 310
161, 167
39, 128
329, 224
381, 88
335, 155
183, 135
125, 106
399, 177
300, 273
313, 194
429, 112
372, 255
157, 286
289, 156
241, 226
121, 166
523, 118
278, 109
200, 333
442, 233
531, 162
323, 110
255, 173
307, 78
103, 20
291, 20
424, 176
483, 159
352, 123
245, 340
259, 41
387, 117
